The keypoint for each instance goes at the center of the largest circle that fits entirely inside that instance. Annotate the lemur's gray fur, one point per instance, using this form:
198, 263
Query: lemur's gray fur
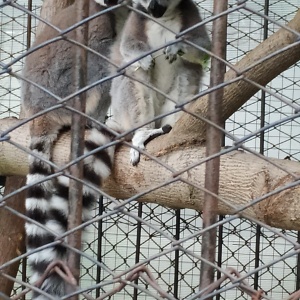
51, 67
175, 70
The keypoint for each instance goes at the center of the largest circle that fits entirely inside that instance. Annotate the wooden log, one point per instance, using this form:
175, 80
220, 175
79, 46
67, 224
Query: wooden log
244, 178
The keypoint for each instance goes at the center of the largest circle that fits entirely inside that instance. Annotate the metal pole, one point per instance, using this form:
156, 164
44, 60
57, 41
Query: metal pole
99, 246
213, 144
220, 251
77, 143
261, 150
138, 246
176, 259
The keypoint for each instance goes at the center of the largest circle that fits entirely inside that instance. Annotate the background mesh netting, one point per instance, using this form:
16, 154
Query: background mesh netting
120, 241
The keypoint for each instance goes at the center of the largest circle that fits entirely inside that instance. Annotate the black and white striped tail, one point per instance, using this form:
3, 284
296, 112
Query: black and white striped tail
47, 204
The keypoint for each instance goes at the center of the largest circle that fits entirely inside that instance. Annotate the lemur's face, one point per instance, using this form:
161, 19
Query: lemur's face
158, 8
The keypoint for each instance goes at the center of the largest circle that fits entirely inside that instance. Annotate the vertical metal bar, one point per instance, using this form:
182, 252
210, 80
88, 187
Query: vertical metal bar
29, 26
176, 265
257, 253
77, 142
221, 227
138, 246
28, 45
213, 144
298, 265
220, 248
99, 248
261, 150
2, 180
24, 273
263, 93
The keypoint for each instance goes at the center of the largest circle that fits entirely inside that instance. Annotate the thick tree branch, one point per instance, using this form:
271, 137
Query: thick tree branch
243, 178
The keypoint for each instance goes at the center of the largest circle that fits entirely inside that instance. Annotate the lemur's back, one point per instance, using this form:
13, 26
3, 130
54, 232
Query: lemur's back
52, 66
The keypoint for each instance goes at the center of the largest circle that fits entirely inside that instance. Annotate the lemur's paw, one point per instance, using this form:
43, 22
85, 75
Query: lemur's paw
138, 140
142, 137
134, 157
172, 52
146, 63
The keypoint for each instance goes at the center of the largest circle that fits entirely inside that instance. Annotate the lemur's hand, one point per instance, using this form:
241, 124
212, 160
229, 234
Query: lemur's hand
173, 51
143, 136
146, 63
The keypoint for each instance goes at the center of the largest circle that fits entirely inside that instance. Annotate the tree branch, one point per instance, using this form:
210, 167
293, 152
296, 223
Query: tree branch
243, 178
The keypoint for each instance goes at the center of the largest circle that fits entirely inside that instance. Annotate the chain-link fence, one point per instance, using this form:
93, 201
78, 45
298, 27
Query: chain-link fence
152, 248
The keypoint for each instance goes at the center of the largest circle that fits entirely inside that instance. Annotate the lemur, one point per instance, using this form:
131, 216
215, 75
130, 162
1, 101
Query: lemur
175, 69
51, 67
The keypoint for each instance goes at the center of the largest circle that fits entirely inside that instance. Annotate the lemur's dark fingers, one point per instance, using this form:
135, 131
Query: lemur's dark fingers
165, 129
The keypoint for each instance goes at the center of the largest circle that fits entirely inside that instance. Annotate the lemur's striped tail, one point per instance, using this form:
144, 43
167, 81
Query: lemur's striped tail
47, 204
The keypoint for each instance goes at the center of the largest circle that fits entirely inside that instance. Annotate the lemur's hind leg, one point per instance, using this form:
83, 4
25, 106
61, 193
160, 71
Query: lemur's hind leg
142, 137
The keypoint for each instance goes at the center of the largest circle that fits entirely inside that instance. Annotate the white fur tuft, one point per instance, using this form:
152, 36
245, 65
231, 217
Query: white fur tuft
97, 137
101, 169
33, 203
46, 255
33, 229
60, 204
63, 180
101, 2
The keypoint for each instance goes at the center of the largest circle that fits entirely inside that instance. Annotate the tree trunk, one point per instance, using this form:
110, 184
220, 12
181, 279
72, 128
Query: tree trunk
12, 235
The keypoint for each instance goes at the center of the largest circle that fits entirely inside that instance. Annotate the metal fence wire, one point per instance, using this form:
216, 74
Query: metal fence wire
145, 241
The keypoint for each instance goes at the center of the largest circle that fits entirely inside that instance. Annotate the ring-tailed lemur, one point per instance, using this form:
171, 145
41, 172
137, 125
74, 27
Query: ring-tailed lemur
51, 67
175, 70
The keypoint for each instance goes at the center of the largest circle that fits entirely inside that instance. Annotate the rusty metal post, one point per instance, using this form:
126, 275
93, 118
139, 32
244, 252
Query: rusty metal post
213, 144
77, 144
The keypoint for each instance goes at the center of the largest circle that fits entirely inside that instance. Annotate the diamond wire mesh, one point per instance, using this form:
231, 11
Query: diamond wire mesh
13, 42
118, 234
